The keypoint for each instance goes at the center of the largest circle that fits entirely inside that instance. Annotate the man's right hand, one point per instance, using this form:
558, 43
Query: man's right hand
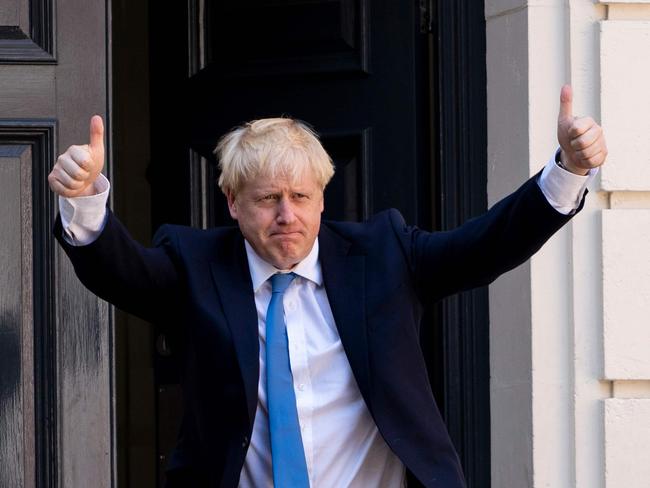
76, 170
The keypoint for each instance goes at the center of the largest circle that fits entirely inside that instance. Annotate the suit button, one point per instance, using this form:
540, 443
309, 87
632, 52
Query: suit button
244, 442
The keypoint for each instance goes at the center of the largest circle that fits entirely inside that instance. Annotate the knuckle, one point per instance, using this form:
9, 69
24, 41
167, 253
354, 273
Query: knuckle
85, 162
74, 184
79, 174
71, 192
594, 160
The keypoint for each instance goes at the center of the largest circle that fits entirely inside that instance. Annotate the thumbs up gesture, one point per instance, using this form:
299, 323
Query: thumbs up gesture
77, 169
581, 138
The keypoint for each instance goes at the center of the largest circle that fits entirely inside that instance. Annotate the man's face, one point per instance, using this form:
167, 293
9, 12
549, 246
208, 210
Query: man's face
279, 219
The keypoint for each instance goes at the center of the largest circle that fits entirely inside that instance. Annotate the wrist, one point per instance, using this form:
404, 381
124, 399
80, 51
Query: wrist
564, 162
89, 191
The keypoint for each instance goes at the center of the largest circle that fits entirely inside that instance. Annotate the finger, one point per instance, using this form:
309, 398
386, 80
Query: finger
589, 152
66, 180
96, 133
588, 139
82, 156
72, 168
596, 160
57, 187
566, 103
581, 125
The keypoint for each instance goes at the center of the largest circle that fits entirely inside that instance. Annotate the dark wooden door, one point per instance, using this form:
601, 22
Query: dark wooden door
354, 69
364, 73
56, 425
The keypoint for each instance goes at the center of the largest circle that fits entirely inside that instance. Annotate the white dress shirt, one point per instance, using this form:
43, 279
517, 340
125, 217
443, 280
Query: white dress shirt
343, 447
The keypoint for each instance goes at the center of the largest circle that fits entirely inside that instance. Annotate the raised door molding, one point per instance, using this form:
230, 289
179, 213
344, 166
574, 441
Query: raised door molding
27, 32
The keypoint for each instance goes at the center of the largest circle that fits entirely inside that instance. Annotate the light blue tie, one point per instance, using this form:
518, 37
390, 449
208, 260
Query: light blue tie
289, 465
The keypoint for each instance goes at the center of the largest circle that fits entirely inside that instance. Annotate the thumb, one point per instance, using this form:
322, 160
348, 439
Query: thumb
566, 103
96, 133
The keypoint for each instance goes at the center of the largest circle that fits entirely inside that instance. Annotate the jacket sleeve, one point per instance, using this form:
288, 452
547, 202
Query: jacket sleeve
117, 268
476, 253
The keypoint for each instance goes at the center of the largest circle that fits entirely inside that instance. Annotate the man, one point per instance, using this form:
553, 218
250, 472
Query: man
301, 364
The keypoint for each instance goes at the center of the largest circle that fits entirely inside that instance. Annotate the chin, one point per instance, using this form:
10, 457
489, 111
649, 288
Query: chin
288, 262
288, 259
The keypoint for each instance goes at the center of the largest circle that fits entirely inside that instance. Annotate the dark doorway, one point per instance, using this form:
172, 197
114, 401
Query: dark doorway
399, 101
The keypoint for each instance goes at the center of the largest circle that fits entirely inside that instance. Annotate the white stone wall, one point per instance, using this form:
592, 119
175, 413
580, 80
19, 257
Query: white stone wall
570, 331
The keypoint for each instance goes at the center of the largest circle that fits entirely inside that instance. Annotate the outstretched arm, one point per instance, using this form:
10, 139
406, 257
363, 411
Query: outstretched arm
107, 260
516, 227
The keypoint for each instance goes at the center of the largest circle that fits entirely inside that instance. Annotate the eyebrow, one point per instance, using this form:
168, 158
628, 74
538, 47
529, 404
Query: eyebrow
269, 190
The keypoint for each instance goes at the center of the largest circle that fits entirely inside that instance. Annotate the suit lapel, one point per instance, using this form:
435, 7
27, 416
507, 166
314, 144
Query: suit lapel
232, 279
344, 277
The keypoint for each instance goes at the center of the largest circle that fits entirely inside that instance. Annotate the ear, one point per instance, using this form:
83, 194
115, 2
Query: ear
232, 204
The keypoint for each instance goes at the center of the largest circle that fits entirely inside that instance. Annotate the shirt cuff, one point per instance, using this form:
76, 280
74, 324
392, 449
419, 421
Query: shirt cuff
83, 218
563, 189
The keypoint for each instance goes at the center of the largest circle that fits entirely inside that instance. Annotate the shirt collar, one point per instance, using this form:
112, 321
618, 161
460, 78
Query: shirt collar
309, 268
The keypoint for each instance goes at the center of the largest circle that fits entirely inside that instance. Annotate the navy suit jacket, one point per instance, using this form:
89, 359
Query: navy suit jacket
379, 277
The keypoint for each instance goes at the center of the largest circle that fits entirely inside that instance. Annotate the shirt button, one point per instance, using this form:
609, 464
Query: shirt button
301, 387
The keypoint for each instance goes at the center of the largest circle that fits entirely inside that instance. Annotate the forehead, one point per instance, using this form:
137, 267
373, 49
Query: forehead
304, 180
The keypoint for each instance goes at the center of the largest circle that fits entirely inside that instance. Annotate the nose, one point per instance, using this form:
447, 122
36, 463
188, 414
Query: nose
286, 213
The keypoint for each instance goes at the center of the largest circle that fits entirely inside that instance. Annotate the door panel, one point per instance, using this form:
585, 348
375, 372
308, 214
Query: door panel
253, 38
17, 423
27, 31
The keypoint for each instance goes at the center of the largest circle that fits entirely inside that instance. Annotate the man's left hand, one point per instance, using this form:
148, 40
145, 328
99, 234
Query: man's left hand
581, 138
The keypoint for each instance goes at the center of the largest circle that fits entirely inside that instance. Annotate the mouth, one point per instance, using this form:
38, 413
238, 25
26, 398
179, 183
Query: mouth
285, 234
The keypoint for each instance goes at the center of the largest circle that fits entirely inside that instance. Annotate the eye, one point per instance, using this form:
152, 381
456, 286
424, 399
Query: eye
300, 196
268, 198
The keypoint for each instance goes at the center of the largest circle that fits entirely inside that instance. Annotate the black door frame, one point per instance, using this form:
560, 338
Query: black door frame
461, 182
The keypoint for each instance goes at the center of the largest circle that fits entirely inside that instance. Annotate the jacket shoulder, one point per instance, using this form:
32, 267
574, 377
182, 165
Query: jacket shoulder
389, 220
187, 240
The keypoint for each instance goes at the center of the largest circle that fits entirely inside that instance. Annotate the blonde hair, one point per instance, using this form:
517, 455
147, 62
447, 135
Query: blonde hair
271, 147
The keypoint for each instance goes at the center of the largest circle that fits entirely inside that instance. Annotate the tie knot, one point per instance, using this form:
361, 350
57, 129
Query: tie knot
280, 282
